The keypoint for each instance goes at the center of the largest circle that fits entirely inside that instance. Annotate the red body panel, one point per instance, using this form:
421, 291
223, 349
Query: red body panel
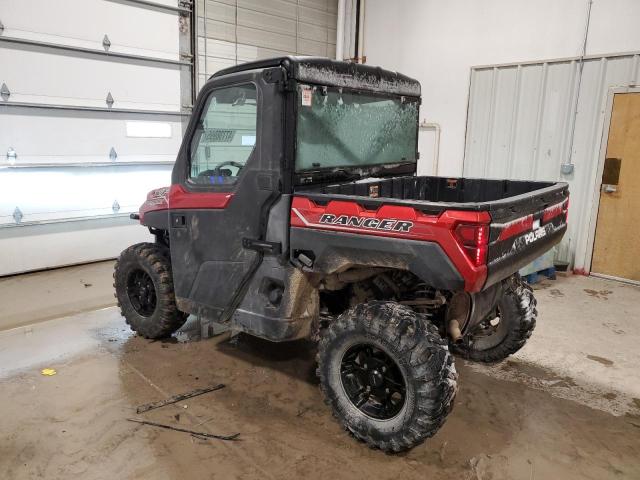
431, 228
180, 199
157, 199
177, 198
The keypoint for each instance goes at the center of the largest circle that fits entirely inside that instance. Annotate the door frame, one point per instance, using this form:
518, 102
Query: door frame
596, 187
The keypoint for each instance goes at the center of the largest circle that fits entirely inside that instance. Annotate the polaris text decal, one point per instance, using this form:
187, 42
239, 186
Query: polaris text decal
367, 222
535, 235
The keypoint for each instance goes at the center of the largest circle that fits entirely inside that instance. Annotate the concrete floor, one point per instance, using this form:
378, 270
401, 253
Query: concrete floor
38, 296
567, 406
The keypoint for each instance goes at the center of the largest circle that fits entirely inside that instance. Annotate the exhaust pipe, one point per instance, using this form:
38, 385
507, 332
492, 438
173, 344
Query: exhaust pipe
453, 329
458, 315
467, 310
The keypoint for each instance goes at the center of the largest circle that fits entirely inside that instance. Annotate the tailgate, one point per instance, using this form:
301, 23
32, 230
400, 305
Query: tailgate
523, 228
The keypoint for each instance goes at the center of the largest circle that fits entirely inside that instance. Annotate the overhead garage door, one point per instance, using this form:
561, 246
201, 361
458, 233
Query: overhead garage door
94, 97
236, 31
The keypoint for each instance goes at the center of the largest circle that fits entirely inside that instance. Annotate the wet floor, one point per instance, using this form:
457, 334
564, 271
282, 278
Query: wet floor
74, 424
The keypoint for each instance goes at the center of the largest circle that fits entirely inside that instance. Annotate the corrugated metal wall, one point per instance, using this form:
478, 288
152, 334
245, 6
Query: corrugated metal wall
520, 123
236, 31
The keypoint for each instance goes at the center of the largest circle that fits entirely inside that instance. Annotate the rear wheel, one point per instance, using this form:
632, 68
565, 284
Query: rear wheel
507, 330
387, 375
144, 289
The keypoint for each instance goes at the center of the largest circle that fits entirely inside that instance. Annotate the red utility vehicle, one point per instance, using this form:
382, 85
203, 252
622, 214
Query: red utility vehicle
295, 211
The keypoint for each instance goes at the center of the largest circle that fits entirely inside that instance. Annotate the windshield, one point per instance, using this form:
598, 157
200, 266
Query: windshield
352, 129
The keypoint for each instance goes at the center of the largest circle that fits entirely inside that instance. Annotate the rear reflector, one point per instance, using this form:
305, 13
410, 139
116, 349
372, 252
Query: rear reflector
474, 240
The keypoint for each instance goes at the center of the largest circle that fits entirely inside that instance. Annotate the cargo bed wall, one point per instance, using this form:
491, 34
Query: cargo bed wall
431, 189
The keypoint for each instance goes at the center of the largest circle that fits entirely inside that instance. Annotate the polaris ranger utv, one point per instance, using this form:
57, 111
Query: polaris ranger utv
295, 211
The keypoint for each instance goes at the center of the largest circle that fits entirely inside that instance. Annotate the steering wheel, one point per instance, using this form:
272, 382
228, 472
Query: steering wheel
230, 163
217, 171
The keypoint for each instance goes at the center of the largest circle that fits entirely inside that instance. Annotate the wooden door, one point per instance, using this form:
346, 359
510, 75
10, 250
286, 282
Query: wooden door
616, 250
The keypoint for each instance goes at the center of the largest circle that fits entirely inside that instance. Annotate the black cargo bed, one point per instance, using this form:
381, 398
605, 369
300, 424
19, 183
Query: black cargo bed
505, 198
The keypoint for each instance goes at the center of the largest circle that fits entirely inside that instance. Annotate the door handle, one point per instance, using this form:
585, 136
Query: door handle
273, 248
608, 188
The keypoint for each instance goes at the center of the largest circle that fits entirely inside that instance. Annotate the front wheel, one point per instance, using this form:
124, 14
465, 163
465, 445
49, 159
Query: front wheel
505, 331
387, 375
144, 289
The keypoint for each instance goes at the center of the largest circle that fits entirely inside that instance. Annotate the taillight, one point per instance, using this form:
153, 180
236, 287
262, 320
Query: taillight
474, 239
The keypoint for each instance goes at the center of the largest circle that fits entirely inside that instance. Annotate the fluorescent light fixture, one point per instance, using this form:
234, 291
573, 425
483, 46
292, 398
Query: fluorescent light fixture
149, 129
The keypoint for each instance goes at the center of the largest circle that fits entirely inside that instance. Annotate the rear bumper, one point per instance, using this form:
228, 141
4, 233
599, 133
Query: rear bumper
511, 256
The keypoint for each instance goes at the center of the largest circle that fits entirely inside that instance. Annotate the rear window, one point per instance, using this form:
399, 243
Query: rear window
350, 129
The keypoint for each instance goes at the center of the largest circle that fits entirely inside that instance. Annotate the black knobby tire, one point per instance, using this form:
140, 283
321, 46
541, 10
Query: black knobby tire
421, 357
144, 289
517, 315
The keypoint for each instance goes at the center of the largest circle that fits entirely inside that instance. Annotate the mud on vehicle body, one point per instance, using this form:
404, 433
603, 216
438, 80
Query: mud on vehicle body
295, 212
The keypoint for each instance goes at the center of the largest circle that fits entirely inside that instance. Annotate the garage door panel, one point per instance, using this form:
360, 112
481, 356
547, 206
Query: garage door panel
57, 132
265, 28
214, 64
266, 21
317, 4
309, 47
317, 17
86, 81
220, 11
313, 32
78, 192
67, 244
216, 29
130, 30
75, 137
249, 53
280, 8
273, 40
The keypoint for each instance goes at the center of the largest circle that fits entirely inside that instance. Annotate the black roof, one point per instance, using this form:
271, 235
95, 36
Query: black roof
324, 71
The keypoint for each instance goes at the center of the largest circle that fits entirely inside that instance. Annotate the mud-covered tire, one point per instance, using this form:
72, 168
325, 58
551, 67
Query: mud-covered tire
155, 261
422, 357
517, 309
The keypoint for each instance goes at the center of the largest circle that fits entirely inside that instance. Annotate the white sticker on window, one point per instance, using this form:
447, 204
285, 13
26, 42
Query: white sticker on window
307, 96
248, 140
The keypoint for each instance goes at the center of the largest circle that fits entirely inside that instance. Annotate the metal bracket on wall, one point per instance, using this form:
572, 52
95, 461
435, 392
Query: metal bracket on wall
17, 215
109, 100
106, 43
5, 93
113, 155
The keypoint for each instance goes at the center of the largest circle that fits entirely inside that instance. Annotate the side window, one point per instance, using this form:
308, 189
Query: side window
225, 136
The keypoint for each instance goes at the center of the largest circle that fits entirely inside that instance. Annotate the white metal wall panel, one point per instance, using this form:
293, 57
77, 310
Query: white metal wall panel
71, 163
236, 31
520, 123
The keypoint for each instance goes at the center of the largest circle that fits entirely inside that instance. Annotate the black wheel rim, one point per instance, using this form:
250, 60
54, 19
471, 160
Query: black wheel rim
373, 381
490, 332
142, 292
